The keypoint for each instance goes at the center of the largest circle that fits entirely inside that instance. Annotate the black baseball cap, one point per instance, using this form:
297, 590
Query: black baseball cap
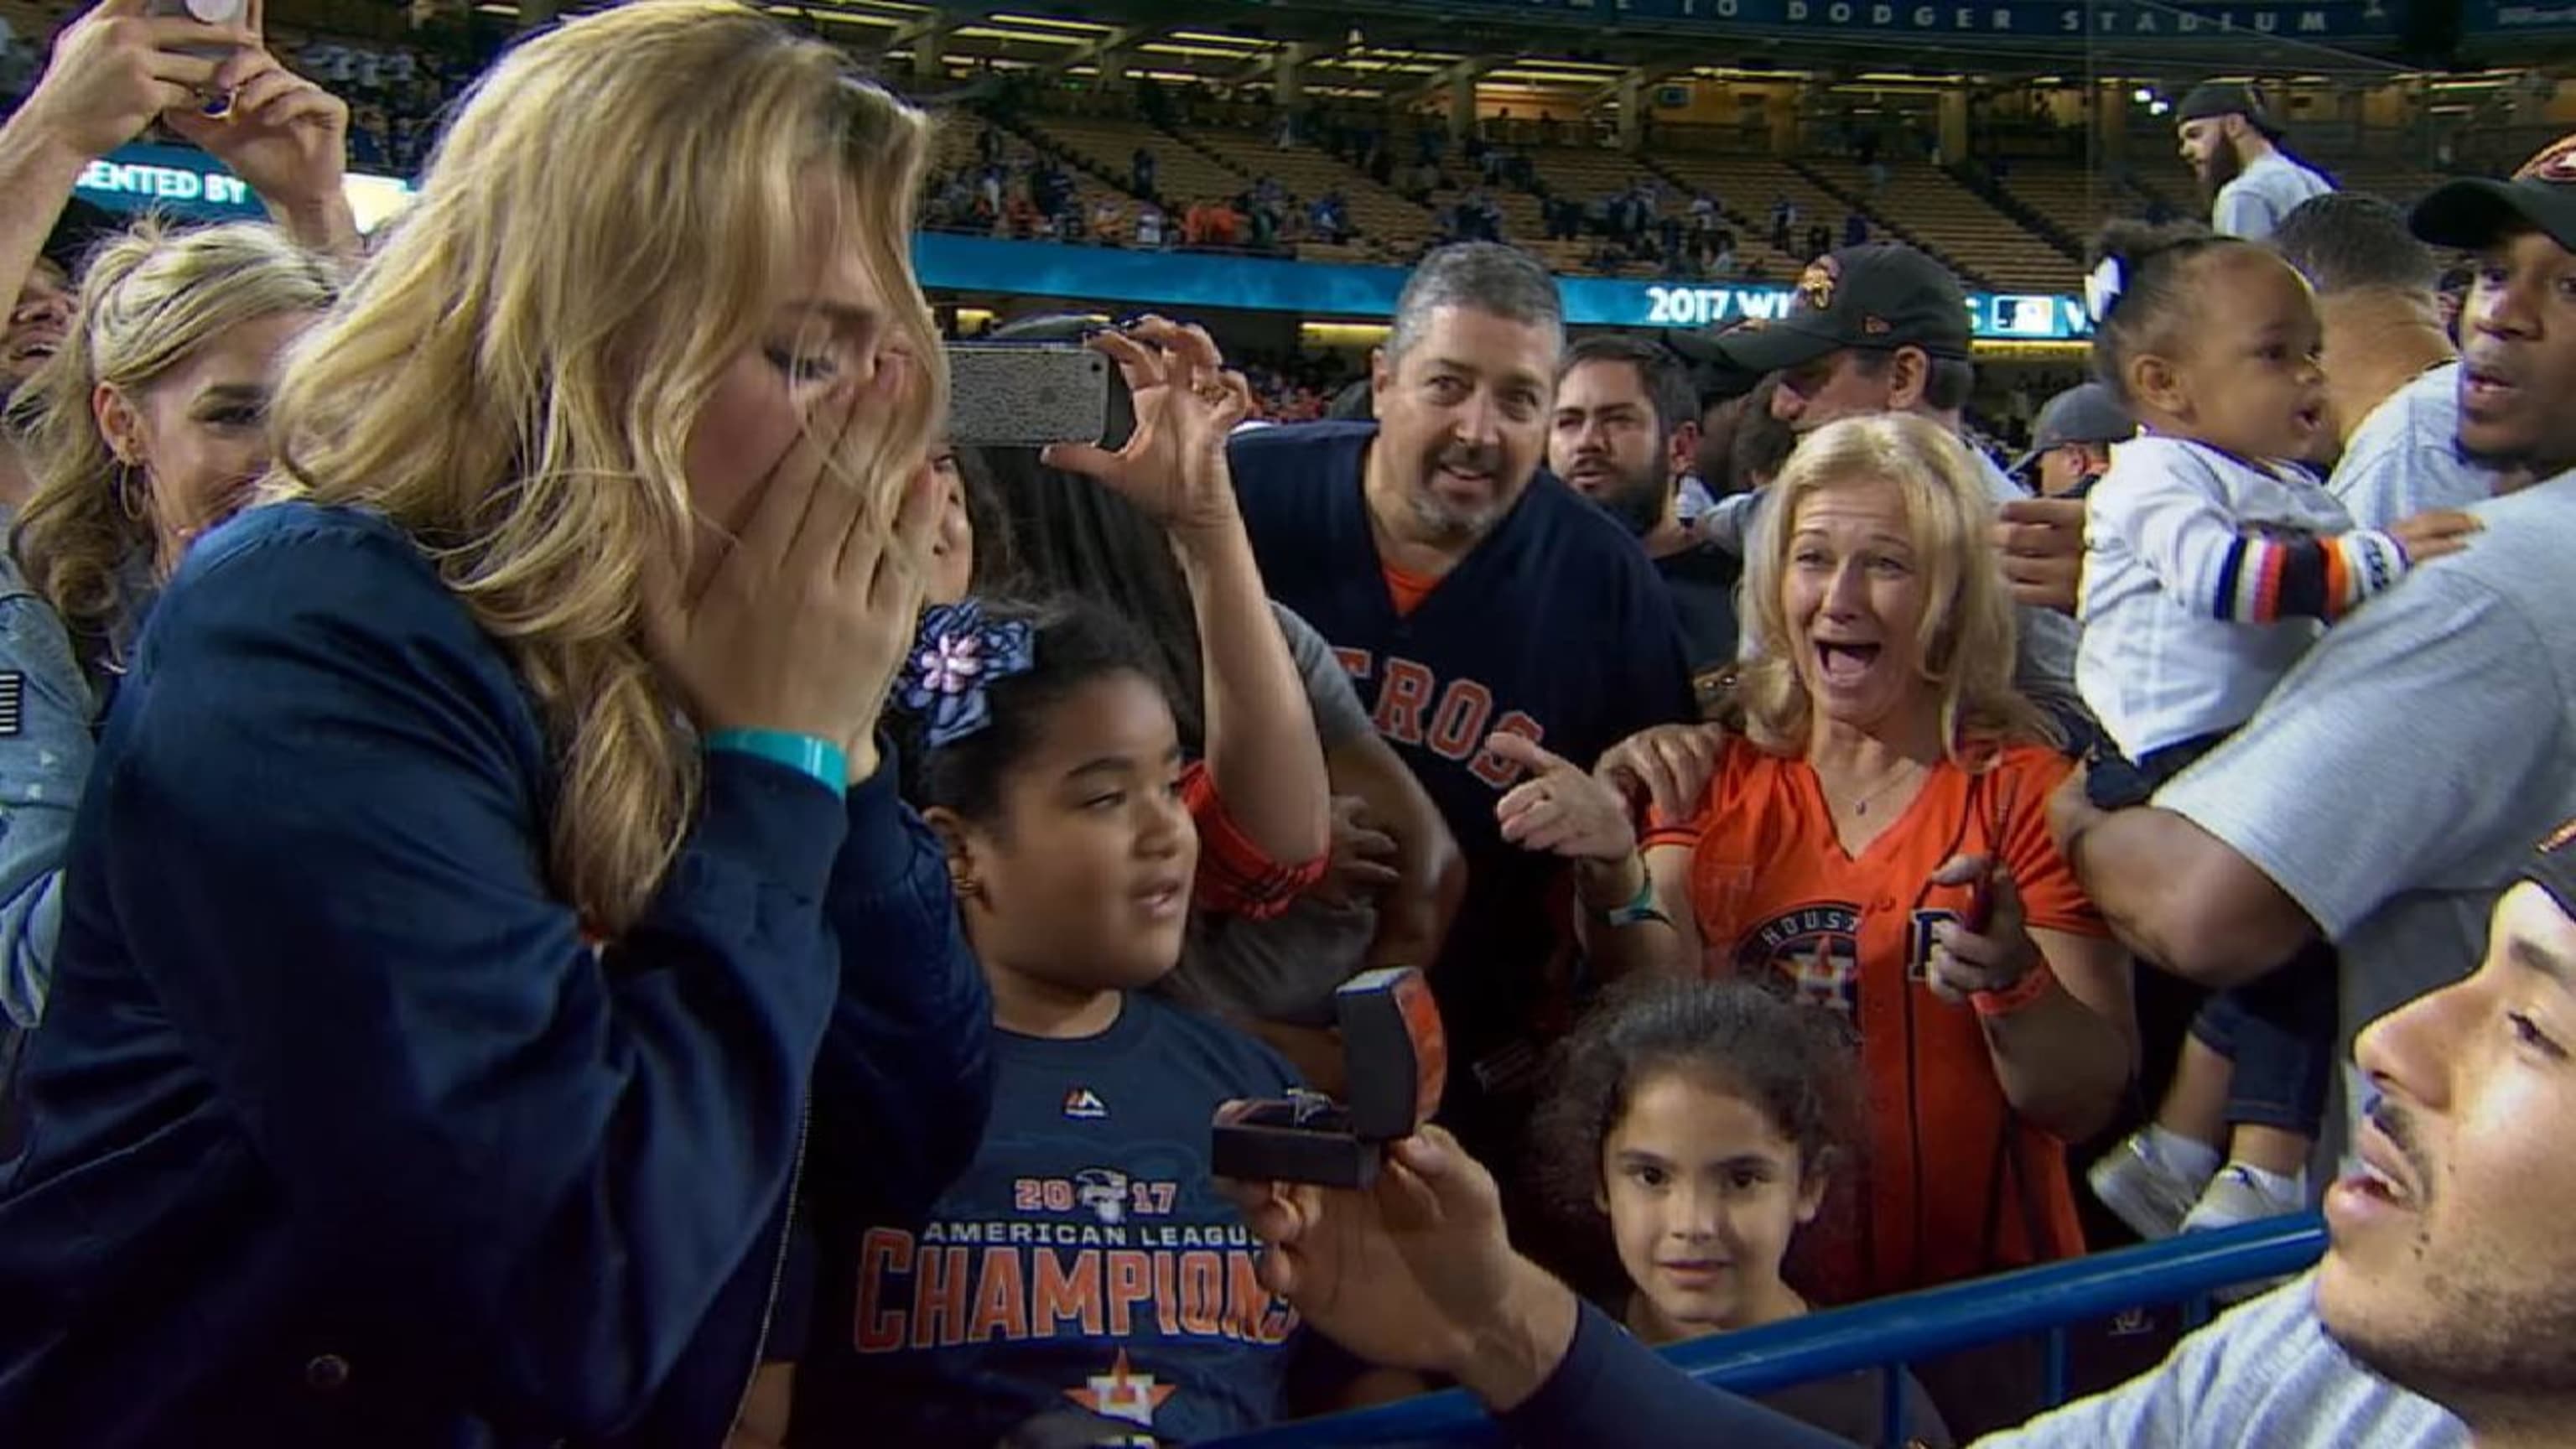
1881, 296
1713, 375
2553, 867
2227, 98
2471, 214
2086, 413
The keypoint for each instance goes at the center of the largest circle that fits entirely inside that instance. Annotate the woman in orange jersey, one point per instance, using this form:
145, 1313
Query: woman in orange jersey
1874, 839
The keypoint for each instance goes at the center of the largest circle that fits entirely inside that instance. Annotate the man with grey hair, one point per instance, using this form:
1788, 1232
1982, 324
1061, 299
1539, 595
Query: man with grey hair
2392, 375
1469, 592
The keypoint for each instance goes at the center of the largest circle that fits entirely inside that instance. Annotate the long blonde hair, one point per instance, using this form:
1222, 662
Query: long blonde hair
606, 225
1967, 635
150, 299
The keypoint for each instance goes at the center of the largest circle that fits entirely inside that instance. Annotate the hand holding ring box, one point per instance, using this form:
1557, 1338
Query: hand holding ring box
1398, 1060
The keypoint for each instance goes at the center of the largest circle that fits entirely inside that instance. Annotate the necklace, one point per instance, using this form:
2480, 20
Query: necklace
1861, 805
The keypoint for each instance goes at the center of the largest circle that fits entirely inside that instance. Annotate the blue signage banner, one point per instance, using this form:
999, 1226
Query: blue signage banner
2022, 19
190, 183
2486, 17
169, 178
1314, 290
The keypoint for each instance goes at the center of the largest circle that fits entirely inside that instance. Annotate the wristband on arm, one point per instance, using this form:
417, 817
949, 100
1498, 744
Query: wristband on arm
1640, 908
2017, 997
810, 755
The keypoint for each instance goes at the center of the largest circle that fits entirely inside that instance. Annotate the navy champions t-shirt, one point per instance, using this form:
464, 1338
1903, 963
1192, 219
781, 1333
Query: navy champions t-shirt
1555, 625
1083, 1265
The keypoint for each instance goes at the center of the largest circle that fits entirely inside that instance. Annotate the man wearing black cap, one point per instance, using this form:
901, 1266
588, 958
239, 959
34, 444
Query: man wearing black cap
2233, 146
1884, 328
2384, 794
2071, 443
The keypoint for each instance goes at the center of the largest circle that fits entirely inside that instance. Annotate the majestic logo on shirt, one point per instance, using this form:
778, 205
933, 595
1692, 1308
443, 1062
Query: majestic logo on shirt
1122, 1393
1815, 949
1084, 1105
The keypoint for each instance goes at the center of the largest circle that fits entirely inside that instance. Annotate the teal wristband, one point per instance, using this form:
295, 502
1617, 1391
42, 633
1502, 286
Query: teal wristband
811, 754
1640, 907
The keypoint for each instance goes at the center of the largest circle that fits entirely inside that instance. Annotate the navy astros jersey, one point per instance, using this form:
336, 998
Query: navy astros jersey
1083, 1270
1555, 626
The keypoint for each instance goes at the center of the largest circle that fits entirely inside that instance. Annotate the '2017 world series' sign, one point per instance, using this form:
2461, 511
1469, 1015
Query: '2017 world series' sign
1997, 316
2024, 19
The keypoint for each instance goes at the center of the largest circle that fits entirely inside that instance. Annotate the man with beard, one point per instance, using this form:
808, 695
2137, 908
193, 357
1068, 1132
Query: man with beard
2234, 148
1624, 435
1468, 592
2443, 1314
2392, 371
2383, 795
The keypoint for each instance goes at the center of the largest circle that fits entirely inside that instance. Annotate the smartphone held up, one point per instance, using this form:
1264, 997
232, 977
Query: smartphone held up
1025, 395
204, 12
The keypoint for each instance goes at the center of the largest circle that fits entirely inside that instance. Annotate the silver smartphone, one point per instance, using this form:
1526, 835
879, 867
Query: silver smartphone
1025, 395
209, 12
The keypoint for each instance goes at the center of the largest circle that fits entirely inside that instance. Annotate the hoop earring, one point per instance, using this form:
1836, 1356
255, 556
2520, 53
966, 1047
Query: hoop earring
130, 494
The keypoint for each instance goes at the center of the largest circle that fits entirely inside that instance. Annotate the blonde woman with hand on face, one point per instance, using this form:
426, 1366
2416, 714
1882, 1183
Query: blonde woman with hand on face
489, 867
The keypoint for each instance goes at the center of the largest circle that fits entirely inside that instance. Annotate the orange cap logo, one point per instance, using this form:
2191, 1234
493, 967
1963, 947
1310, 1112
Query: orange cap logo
1816, 283
2556, 163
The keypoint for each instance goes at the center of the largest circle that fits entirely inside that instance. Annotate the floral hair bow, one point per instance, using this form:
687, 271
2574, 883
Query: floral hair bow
956, 656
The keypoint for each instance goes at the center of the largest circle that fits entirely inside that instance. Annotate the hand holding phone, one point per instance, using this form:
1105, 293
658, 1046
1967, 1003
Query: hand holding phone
110, 76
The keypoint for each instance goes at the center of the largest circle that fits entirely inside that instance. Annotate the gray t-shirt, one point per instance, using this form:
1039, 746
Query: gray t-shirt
2402, 773
1339, 718
2405, 457
1285, 969
2252, 205
2046, 670
2265, 1376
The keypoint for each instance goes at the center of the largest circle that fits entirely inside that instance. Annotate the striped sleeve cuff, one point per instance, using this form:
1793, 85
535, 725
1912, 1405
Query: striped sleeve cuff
1236, 876
2264, 580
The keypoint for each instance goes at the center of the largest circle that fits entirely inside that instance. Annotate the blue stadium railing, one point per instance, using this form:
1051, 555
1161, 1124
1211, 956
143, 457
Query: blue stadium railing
1888, 1335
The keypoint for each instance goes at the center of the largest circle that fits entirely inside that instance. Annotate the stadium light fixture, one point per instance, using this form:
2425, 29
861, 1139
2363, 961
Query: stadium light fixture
1244, 44
987, 32
1161, 47
1048, 22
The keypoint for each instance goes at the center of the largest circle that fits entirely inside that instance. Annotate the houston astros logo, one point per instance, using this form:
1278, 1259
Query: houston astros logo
1816, 283
2555, 164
